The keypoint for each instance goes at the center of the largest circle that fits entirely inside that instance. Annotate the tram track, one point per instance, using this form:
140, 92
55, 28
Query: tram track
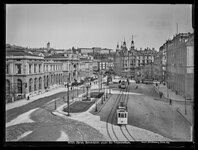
124, 128
114, 130
109, 123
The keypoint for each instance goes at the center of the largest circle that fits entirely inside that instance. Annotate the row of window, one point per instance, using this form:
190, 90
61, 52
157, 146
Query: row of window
18, 68
35, 84
15, 88
145, 57
52, 68
33, 68
55, 79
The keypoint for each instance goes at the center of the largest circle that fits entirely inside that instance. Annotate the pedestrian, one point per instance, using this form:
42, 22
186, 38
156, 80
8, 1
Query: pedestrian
170, 102
28, 97
128, 81
136, 87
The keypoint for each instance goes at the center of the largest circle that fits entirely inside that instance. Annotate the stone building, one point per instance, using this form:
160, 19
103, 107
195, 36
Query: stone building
24, 73
163, 58
70, 65
28, 74
180, 64
85, 68
129, 63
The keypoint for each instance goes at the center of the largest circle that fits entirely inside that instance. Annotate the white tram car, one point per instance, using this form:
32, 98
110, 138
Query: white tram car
122, 115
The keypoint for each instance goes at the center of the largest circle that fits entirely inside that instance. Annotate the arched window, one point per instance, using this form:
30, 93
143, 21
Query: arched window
19, 86
30, 67
45, 81
35, 68
7, 87
40, 83
57, 79
54, 79
30, 85
51, 79
35, 82
48, 80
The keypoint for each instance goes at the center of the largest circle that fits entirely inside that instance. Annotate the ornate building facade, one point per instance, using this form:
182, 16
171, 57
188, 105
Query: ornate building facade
129, 63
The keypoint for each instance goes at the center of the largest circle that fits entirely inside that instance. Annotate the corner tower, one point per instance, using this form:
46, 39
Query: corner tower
48, 46
132, 44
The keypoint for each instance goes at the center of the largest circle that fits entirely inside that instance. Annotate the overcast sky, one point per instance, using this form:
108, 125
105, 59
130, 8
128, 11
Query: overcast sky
95, 25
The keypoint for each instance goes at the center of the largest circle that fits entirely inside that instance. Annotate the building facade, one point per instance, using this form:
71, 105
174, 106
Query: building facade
24, 74
129, 63
180, 64
105, 64
28, 75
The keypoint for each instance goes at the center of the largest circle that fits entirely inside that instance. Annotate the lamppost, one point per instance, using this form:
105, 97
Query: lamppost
77, 90
192, 119
98, 81
88, 86
185, 105
101, 79
107, 92
167, 84
68, 99
96, 109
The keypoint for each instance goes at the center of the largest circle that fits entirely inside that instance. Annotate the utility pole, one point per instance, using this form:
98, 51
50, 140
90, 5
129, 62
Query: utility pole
101, 80
98, 76
167, 84
68, 98
185, 106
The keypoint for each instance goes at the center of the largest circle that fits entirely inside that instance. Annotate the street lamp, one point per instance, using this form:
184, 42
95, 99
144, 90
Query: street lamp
101, 80
96, 109
167, 84
88, 86
185, 105
68, 99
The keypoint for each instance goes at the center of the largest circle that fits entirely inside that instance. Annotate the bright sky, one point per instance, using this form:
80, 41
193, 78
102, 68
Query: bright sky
95, 25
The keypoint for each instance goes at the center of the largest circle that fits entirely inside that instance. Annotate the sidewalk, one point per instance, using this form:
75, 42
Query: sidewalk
171, 95
22, 102
180, 108
49, 93
189, 113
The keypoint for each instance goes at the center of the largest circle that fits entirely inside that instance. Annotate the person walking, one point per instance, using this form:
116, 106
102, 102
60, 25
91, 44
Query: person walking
128, 81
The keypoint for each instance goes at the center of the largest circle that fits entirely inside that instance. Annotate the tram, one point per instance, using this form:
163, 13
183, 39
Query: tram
122, 85
122, 114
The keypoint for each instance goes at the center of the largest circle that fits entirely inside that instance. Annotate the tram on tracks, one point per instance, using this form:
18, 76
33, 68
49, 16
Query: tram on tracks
122, 85
122, 114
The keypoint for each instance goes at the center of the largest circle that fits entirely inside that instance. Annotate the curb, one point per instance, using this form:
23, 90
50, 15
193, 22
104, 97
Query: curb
184, 117
156, 89
30, 100
101, 107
